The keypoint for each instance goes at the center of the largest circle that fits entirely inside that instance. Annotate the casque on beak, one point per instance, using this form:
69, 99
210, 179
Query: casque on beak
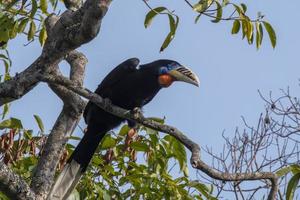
184, 74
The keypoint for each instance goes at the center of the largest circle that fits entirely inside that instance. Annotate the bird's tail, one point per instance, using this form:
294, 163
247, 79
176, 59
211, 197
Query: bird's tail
76, 165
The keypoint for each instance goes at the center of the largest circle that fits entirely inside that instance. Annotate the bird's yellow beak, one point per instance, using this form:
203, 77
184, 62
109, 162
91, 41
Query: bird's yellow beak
184, 74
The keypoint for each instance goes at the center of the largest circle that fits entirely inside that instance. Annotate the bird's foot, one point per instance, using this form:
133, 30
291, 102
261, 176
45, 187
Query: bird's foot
107, 101
137, 113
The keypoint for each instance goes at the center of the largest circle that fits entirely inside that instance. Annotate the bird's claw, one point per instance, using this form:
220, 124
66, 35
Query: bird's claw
107, 101
137, 112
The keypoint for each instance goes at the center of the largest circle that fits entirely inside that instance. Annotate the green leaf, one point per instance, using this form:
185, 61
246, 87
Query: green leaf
6, 24
138, 146
198, 7
124, 130
162, 162
292, 185
185, 171
244, 7
235, 27
202, 5
22, 25
154, 139
173, 26
39, 122
259, 34
5, 110
176, 149
11, 123
13, 31
167, 41
238, 9
7, 66
43, 36
283, 171
7, 77
31, 31
44, 6
244, 28
201, 188
107, 142
197, 18
295, 168
70, 146
34, 8
28, 134
3, 57
219, 13
74, 138
123, 180
225, 2
151, 14
3, 196
249, 32
180, 153
4, 35
271, 32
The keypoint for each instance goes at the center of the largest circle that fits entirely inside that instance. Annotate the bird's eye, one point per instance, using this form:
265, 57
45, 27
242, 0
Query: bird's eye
163, 70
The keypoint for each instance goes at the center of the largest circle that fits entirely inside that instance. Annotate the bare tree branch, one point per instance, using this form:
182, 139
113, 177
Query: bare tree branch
20, 84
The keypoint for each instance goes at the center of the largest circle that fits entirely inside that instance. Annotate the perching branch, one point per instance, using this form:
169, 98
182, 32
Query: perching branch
192, 146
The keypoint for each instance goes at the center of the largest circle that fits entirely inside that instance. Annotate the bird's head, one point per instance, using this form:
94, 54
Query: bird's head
170, 71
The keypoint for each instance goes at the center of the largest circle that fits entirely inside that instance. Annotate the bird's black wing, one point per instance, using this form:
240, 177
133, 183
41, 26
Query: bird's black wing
105, 87
122, 70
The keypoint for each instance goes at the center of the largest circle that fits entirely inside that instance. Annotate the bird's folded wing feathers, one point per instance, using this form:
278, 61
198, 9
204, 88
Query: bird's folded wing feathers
126, 67
104, 89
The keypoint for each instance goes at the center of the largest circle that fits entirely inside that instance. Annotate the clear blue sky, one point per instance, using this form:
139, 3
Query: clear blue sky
230, 70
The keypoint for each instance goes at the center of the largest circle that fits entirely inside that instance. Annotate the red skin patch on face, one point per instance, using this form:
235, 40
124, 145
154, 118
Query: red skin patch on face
165, 80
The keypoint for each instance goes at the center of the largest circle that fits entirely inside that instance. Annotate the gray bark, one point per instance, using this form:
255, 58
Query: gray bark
13, 185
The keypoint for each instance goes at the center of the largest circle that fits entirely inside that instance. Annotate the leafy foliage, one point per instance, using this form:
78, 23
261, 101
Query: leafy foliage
27, 17
24, 17
293, 183
251, 28
5, 59
140, 166
127, 164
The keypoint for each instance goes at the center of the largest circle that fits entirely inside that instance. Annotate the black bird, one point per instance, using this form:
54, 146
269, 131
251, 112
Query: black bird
129, 85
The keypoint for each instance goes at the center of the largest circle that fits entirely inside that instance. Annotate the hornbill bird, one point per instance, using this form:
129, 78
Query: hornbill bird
129, 86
